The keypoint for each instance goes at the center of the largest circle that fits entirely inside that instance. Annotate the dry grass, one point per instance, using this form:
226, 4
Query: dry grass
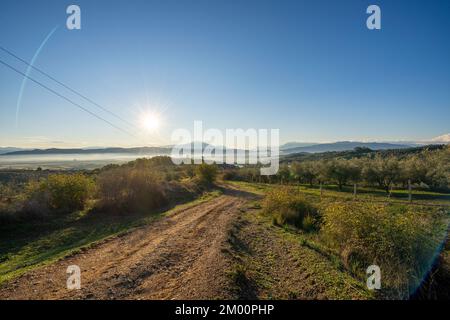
401, 240
288, 208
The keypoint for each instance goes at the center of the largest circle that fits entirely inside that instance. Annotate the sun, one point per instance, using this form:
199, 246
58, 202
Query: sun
150, 122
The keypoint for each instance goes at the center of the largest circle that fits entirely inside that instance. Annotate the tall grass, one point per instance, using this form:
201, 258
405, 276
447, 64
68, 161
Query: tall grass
128, 189
401, 240
287, 207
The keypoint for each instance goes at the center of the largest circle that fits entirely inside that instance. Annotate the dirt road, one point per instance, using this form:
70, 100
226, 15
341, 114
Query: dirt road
181, 256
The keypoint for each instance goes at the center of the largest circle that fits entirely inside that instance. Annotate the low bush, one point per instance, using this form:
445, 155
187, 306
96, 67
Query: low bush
206, 173
401, 241
309, 223
68, 192
293, 209
7, 203
130, 190
58, 192
231, 174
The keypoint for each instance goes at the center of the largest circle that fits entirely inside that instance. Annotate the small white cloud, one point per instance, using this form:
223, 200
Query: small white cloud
445, 138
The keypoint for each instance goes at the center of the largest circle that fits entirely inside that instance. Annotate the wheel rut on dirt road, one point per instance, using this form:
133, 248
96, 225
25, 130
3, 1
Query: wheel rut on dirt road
180, 256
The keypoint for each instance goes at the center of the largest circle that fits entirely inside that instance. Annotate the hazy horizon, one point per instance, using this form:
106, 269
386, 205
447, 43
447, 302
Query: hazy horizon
442, 139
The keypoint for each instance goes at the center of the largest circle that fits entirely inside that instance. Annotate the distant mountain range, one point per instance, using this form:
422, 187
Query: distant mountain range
163, 150
292, 145
343, 146
137, 150
285, 149
4, 150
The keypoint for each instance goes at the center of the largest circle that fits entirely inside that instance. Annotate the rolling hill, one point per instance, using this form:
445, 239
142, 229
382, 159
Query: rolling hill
344, 146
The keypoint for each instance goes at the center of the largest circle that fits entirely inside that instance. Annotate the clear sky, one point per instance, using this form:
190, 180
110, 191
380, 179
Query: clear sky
310, 68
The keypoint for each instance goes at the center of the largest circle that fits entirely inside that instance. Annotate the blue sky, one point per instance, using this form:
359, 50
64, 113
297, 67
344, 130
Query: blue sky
310, 68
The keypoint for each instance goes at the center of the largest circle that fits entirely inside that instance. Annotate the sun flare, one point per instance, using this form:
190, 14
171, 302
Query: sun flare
150, 121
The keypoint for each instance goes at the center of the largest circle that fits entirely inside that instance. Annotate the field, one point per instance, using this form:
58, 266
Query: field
433, 206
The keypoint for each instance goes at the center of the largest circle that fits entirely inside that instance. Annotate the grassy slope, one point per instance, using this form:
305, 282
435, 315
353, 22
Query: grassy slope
279, 263
327, 278
38, 243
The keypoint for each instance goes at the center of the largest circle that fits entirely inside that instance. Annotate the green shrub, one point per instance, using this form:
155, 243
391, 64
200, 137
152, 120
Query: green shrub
59, 192
36, 199
7, 203
68, 192
309, 223
206, 173
130, 189
230, 174
401, 241
288, 208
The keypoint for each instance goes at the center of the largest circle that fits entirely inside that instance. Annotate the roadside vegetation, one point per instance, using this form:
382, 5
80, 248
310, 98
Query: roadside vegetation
288, 208
365, 208
46, 215
206, 174
404, 240
401, 240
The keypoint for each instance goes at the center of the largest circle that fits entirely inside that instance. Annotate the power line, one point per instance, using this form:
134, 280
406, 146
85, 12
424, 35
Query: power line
64, 97
66, 86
